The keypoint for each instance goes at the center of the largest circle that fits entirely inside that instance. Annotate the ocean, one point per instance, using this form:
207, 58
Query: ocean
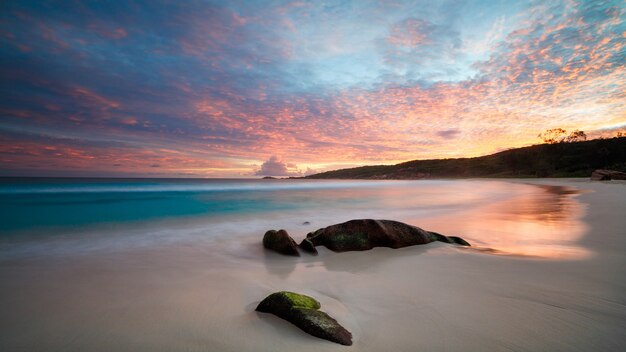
48, 216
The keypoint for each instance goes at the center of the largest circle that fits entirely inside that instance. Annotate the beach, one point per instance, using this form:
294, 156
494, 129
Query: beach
564, 290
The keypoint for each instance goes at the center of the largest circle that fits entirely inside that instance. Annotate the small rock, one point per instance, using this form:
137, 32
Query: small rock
303, 311
306, 223
281, 242
606, 175
449, 239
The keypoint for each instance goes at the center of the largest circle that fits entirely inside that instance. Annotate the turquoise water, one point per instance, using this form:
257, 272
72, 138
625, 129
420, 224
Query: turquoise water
30, 204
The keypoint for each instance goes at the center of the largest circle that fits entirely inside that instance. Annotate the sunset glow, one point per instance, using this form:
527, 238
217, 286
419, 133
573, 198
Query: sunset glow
254, 88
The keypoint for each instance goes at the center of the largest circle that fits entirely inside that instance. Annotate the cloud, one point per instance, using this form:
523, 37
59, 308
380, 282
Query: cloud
310, 171
411, 33
419, 49
275, 167
203, 88
448, 134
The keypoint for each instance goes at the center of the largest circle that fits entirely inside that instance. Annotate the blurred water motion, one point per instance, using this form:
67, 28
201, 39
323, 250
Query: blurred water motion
542, 223
68, 217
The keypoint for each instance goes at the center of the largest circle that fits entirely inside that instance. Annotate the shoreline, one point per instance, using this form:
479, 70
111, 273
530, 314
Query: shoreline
431, 297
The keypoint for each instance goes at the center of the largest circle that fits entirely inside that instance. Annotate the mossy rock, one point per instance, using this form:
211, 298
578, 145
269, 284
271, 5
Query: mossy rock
303, 311
285, 299
281, 242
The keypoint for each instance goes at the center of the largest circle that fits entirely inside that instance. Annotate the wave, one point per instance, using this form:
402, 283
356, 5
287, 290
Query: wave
204, 187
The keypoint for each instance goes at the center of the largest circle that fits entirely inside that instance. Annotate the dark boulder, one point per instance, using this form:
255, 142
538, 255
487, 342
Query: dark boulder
281, 242
606, 175
303, 311
364, 234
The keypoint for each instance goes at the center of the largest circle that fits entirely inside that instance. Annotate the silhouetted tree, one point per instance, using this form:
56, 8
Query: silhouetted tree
552, 136
576, 136
559, 135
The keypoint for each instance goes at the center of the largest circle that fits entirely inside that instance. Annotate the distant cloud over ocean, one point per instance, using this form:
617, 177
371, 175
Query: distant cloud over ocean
275, 167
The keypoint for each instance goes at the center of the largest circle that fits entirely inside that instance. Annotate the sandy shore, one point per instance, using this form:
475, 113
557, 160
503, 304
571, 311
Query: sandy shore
424, 298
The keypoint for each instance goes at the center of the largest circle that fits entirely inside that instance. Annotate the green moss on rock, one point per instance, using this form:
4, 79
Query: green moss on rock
301, 301
352, 240
302, 311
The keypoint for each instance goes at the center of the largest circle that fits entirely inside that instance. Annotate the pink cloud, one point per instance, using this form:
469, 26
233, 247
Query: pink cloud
411, 33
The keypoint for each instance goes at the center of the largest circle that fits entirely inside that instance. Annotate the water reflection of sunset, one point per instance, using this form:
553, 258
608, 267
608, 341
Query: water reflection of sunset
539, 224
502, 218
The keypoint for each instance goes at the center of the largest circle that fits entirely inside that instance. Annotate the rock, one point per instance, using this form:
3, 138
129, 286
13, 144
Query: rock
364, 234
306, 223
605, 175
449, 239
303, 311
281, 242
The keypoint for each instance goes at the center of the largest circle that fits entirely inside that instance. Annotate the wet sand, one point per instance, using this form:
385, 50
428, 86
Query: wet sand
437, 297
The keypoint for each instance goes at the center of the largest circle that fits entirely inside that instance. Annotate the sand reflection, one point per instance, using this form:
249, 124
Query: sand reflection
544, 223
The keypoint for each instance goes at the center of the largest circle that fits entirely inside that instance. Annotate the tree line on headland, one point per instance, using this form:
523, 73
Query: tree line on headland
562, 155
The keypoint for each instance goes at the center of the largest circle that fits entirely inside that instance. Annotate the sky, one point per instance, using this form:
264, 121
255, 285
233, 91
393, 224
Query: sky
288, 88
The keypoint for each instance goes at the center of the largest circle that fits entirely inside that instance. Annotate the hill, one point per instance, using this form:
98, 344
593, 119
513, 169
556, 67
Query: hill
576, 159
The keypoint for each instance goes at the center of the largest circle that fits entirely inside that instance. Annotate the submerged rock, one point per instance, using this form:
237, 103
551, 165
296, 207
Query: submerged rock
281, 242
606, 175
303, 311
448, 239
364, 234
